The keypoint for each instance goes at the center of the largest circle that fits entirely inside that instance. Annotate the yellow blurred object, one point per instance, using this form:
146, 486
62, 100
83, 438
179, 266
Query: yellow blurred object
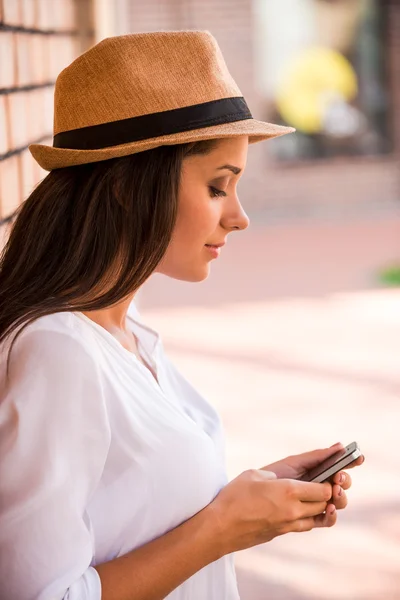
313, 80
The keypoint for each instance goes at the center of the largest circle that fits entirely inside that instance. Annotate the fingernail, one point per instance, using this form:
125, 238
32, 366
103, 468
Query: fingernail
342, 477
332, 509
340, 492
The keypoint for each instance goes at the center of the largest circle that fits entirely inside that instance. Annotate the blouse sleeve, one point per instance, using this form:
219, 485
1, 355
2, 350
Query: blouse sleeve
54, 439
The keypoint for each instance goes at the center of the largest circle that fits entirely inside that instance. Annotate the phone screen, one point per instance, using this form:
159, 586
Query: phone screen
329, 462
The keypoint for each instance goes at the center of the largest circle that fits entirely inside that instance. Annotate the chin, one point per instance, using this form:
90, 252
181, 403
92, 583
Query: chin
191, 276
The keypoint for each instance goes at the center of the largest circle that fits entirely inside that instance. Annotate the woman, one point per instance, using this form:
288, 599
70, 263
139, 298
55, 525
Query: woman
113, 482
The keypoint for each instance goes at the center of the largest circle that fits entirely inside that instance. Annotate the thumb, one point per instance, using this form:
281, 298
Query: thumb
336, 447
315, 457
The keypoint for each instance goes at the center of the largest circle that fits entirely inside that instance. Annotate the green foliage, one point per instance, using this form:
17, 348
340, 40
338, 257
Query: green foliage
390, 275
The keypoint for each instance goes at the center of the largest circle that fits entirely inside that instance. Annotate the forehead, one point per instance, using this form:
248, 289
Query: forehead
232, 151
235, 147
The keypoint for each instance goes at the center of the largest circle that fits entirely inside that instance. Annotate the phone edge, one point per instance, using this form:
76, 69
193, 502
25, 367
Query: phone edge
343, 464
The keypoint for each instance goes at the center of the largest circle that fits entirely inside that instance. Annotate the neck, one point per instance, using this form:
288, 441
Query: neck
112, 318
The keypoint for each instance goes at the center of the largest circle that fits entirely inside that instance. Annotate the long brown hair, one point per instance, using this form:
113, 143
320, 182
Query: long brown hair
90, 235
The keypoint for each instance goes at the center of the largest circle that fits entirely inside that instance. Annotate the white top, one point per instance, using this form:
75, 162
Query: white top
97, 459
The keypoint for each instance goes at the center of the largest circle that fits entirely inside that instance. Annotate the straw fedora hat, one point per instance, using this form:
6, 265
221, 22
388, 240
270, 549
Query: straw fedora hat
135, 92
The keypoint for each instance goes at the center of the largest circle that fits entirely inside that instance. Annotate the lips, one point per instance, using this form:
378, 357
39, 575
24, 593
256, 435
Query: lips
215, 245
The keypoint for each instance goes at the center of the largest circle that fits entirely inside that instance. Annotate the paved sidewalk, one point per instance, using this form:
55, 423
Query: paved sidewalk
293, 371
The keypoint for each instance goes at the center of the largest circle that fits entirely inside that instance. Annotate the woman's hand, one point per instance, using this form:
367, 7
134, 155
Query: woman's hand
256, 507
296, 466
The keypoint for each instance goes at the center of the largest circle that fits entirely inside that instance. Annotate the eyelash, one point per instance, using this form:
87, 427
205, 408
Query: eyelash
215, 192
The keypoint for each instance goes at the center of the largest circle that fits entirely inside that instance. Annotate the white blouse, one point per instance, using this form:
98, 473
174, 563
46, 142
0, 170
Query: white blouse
97, 458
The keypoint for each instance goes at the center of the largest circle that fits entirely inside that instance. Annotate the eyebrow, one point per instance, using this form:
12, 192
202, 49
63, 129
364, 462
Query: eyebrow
234, 170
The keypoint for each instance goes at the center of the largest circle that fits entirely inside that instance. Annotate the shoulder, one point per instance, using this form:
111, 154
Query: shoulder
52, 342
53, 371
53, 412
57, 325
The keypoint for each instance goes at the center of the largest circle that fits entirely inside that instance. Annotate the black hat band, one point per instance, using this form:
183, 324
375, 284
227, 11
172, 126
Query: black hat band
135, 129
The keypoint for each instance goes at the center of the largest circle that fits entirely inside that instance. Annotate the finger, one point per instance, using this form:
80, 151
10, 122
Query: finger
343, 479
339, 498
328, 519
312, 492
346, 482
356, 463
308, 523
311, 509
300, 525
316, 457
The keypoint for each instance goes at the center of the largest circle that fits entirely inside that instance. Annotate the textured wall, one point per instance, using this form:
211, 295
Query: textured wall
38, 38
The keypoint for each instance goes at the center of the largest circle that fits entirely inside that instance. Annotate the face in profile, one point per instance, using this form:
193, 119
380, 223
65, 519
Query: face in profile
208, 210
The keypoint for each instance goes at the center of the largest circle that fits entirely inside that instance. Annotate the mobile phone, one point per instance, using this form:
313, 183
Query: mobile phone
338, 461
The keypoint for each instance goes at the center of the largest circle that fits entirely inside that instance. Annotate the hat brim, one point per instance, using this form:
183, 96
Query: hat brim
50, 158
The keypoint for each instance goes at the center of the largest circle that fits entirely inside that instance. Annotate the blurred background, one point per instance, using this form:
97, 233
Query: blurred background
295, 337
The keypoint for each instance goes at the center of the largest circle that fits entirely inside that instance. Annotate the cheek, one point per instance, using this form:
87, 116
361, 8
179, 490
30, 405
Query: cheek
186, 257
195, 224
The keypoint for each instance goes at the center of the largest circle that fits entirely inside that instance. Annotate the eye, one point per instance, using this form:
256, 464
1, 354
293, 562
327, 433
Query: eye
216, 192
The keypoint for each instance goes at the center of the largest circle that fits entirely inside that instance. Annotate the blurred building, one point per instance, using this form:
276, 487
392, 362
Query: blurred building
330, 68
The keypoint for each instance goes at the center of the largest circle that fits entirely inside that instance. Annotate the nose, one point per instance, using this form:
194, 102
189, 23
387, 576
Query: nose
235, 217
